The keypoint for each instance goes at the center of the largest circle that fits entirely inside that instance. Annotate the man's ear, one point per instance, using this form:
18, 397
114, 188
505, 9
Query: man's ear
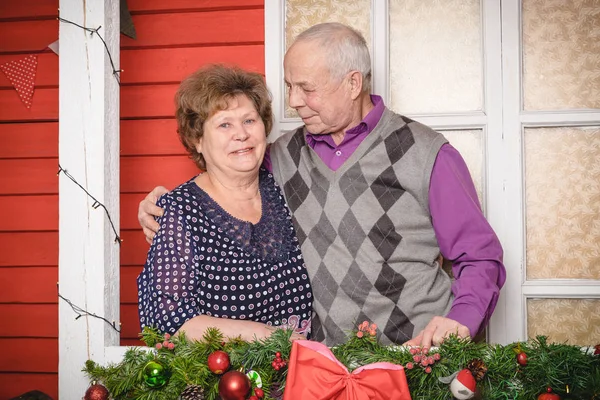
356, 84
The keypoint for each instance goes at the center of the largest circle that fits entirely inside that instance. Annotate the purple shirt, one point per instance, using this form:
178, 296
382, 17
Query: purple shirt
463, 233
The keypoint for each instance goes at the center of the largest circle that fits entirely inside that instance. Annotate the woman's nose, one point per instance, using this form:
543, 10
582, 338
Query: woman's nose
241, 134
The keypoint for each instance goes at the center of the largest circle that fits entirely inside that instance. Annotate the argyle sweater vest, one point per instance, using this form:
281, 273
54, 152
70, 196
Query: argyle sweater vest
366, 232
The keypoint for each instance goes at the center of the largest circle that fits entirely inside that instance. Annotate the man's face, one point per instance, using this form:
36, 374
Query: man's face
323, 103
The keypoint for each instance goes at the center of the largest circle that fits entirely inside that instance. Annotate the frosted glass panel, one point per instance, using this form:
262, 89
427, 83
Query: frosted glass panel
435, 56
469, 145
575, 321
562, 190
561, 54
302, 14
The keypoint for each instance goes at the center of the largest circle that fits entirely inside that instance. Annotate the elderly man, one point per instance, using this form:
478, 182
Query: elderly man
376, 198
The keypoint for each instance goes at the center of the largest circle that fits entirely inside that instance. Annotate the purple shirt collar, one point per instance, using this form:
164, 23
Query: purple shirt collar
365, 127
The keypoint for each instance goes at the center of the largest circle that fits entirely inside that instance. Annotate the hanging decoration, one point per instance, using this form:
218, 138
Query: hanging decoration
155, 374
234, 385
54, 47
126, 24
21, 74
96, 392
548, 395
218, 362
522, 358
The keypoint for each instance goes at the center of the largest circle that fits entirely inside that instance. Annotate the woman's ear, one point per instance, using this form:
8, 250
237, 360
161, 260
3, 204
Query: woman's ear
199, 146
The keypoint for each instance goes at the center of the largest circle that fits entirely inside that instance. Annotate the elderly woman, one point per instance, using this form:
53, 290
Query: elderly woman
226, 254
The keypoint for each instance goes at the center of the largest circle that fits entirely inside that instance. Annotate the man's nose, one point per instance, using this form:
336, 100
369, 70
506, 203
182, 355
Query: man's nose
295, 98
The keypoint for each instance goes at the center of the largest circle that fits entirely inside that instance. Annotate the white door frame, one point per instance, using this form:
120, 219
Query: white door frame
89, 151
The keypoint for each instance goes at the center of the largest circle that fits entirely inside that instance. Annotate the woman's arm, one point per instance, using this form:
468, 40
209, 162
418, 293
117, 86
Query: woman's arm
248, 330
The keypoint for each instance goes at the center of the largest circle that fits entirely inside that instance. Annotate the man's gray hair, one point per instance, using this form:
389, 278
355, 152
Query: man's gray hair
346, 49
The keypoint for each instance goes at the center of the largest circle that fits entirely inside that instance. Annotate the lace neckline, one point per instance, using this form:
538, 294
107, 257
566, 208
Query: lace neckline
268, 239
213, 204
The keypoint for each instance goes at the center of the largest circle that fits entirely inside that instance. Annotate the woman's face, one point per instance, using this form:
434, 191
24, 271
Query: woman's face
234, 139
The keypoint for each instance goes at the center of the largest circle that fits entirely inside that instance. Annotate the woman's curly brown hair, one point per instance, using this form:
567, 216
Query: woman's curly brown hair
207, 91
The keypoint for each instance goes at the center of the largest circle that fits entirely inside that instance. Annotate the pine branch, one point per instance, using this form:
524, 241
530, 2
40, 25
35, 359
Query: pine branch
569, 371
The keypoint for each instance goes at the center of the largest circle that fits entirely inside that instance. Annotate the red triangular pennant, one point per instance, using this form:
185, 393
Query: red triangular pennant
21, 73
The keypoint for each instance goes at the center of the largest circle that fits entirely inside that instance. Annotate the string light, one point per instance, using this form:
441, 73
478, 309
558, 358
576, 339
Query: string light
81, 313
96, 203
95, 31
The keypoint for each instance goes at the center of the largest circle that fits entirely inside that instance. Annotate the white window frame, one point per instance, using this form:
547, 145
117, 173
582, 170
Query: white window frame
490, 121
519, 289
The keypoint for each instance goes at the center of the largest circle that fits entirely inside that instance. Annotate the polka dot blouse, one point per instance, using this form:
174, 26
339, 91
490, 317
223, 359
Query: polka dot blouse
204, 261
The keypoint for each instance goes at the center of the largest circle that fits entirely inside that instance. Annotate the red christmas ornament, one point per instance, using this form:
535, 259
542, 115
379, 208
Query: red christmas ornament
522, 358
597, 350
549, 395
259, 393
96, 392
218, 362
234, 385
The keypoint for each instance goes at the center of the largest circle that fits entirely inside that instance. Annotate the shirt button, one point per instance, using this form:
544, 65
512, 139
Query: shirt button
338, 153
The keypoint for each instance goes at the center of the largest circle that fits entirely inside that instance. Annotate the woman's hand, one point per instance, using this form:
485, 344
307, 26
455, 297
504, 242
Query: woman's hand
148, 210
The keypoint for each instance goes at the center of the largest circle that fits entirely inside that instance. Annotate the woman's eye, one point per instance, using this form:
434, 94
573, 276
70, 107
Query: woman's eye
249, 121
224, 125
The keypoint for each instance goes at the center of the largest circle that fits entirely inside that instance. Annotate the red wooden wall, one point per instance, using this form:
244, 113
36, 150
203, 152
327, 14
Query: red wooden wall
174, 38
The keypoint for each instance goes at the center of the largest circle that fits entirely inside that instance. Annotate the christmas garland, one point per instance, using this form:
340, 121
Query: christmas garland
179, 368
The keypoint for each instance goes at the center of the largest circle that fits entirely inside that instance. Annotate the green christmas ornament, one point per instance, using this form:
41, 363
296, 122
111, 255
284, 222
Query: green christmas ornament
155, 375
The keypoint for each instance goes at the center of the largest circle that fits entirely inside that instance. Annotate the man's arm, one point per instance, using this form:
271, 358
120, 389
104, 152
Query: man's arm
466, 238
148, 210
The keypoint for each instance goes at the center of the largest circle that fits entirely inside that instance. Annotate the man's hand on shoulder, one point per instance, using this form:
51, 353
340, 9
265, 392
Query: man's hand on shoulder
148, 210
438, 329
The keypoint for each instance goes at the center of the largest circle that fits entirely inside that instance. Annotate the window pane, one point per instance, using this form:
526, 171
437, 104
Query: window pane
576, 321
562, 190
435, 56
302, 14
468, 144
561, 54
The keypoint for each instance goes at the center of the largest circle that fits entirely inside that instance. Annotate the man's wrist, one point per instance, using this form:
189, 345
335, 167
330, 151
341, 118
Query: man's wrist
468, 316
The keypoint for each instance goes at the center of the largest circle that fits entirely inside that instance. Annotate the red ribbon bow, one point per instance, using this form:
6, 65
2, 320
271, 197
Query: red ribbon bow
315, 373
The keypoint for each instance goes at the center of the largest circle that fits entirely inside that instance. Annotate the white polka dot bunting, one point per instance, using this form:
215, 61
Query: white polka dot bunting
21, 74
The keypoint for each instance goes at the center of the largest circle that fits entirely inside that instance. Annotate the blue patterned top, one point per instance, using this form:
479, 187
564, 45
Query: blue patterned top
203, 261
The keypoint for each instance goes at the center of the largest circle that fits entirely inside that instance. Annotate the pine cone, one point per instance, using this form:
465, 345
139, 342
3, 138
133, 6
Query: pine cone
192, 392
477, 368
